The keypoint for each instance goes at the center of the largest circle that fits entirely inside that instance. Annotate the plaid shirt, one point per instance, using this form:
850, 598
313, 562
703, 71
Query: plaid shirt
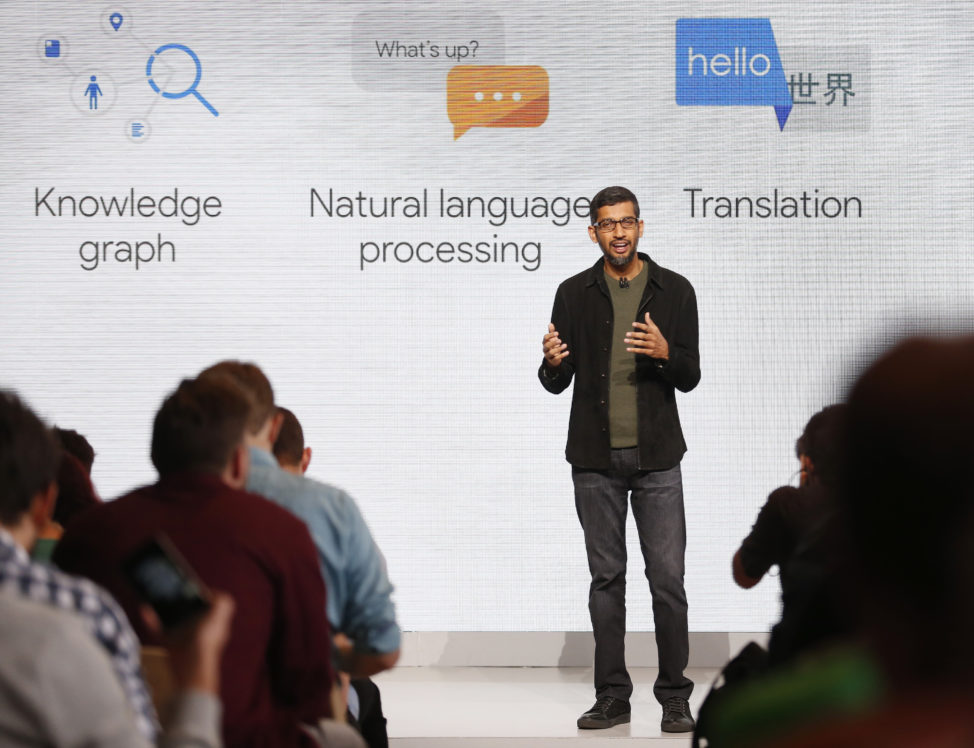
101, 614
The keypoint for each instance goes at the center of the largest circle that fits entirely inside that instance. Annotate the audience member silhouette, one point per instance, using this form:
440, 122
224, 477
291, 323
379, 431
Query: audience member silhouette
904, 539
362, 694
29, 456
76, 444
360, 603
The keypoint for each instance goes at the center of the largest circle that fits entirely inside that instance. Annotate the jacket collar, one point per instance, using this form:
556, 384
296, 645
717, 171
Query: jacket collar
596, 274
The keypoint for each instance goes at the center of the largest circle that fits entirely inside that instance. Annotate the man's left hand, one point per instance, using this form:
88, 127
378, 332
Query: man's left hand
647, 340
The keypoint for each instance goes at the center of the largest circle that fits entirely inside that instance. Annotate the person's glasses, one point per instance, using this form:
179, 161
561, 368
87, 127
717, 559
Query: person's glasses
609, 224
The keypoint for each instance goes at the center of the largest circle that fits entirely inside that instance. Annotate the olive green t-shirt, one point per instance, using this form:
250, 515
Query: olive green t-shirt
623, 426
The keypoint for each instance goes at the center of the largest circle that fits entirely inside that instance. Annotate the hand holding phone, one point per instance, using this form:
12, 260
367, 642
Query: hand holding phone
164, 579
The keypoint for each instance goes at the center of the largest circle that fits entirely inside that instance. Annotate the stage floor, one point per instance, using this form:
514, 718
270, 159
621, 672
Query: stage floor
517, 707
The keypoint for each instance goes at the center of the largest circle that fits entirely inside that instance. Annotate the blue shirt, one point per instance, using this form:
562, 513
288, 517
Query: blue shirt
358, 590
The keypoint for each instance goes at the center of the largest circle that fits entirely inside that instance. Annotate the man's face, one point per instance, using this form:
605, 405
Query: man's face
619, 244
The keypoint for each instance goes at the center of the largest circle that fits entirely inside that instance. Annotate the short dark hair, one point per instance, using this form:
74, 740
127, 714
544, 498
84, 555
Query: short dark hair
29, 457
289, 447
248, 376
76, 444
611, 196
74, 490
199, 425
820, 441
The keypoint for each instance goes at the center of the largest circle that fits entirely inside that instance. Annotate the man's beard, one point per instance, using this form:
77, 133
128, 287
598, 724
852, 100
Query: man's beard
620, 261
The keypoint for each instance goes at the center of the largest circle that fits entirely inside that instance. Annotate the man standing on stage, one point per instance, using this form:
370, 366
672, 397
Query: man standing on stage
626, 331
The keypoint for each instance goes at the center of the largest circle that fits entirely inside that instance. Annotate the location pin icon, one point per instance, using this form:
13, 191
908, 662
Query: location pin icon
116, 20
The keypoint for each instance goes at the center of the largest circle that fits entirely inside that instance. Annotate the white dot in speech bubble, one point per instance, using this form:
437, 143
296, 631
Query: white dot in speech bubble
498, 96
479, 96
516, 96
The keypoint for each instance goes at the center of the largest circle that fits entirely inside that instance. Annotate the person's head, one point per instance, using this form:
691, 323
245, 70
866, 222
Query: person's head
74, 443
907, 499
615, 225
264, 422
201, 427
75, 492
289, 448
818, 447
29, 458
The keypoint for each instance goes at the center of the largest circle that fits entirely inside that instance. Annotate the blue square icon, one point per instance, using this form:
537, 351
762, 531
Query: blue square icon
52, 48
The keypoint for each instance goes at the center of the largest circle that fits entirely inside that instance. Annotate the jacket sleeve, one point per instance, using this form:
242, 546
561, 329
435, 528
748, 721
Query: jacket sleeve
556, 379
682, 370
768, 542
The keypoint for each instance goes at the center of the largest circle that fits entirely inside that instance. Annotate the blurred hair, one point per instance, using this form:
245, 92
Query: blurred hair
77, 445
821, 442
75, 492
289, 447
907, 499
29, 457
611, 196
199, 425
248, 376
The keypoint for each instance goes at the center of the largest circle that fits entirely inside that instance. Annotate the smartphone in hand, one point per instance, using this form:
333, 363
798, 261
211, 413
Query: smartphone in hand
164, 579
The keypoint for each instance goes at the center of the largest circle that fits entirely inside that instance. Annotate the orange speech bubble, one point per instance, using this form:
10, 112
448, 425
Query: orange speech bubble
496, 96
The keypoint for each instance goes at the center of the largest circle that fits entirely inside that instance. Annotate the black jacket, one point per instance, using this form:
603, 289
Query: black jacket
582, 315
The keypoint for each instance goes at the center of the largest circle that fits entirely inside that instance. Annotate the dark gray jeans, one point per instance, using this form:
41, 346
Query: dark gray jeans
602, 500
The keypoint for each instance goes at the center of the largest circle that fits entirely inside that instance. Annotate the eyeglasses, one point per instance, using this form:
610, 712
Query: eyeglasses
609, 224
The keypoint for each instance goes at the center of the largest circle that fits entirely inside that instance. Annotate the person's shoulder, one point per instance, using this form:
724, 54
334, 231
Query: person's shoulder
25, 623
301, 488
329, 500
49, 649
672, 279
61, 589
777, 505
254, 506
325, 490
271, 482
580, 279
784, 494
317, 504
105, 519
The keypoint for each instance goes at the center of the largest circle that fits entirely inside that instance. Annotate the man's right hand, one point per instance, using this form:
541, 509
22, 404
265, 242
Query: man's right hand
554, 349
196, 649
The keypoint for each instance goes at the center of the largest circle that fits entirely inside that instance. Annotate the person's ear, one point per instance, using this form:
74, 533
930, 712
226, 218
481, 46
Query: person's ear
807, 469
305, 459
41, 507
238, 467
276, 423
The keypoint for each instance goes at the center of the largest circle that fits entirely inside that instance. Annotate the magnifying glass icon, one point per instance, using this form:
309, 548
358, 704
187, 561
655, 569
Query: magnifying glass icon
192, 86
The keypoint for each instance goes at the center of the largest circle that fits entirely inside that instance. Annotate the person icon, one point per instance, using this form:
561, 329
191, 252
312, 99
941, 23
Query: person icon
93, 92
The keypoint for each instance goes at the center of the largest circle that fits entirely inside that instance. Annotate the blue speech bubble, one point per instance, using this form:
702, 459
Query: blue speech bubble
730, 62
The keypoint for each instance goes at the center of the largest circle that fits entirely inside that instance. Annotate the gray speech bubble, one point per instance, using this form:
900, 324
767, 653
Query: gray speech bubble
414, 51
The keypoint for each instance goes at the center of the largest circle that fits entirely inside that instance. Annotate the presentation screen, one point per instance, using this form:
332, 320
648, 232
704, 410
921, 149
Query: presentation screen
376, 202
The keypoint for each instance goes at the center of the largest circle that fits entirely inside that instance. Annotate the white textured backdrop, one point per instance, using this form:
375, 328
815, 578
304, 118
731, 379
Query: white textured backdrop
416, 382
